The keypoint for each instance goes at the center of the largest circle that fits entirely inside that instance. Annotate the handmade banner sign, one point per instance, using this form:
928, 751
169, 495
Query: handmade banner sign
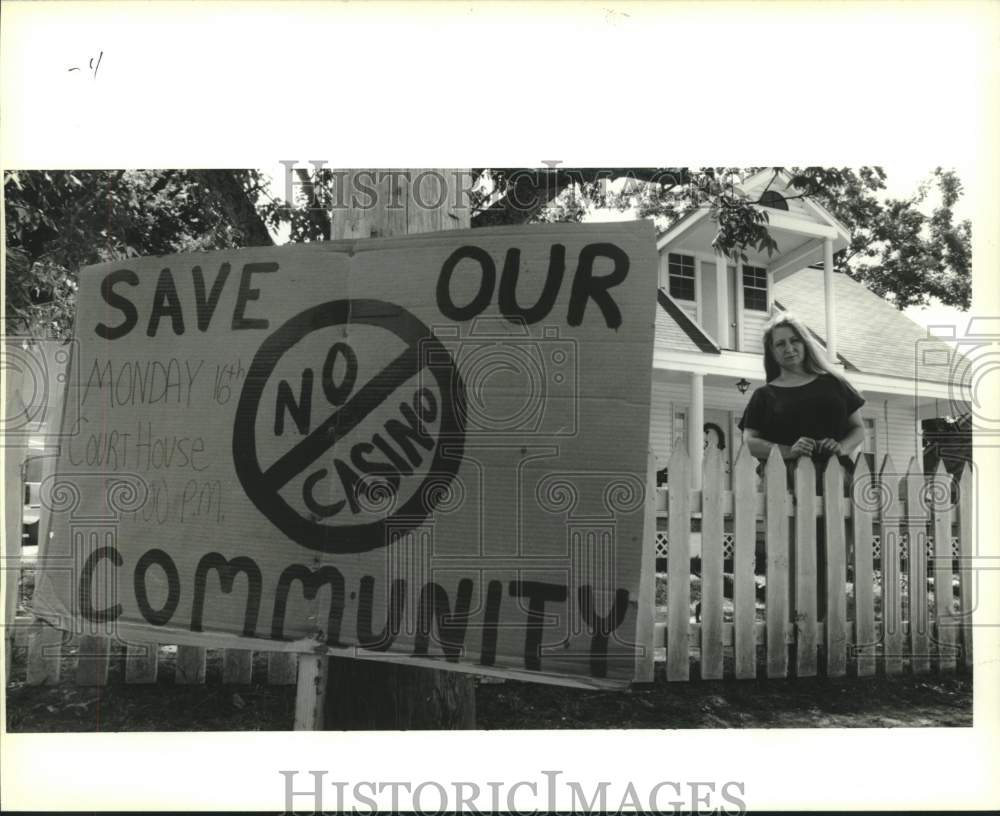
430, 449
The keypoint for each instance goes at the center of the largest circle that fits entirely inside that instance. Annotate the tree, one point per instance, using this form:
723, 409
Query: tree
896, 249
58, 221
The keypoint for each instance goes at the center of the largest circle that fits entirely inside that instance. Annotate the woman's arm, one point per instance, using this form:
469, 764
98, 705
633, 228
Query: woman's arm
761, 448
854, 437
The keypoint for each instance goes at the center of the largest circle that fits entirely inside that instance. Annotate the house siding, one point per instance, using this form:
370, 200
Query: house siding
671, 397
895, 420
753, 331
895, 431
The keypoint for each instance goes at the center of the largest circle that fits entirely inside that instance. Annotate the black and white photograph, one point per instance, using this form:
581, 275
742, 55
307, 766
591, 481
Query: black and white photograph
386, 453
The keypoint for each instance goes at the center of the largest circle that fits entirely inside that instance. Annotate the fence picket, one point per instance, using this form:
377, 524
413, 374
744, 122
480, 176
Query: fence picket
892, 591
836, 569
93, 659
190, 666
778, 565
141, 662
916, 558
804, 598
944, 594
744, 545
678, 565
965, 553
44, 653
711, 566
237, 666
865, 639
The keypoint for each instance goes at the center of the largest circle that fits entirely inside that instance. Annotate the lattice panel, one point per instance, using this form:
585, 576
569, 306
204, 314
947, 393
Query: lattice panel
663, 546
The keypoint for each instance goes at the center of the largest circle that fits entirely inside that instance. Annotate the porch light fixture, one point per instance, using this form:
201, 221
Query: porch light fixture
743, 385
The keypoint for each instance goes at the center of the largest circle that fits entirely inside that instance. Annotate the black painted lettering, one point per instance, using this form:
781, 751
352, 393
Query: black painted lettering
360, 460
507, 298
311, 581
300, 411
538, 594
309, 497
487, 281
398, 461
336, 393
402, 434
161, 616
425, 404
491, 626
351, 482
367, 639
227, 571
601, 627
588, 287
119, 302
166, 302
434, 607
247, 293
109, 613
205, 306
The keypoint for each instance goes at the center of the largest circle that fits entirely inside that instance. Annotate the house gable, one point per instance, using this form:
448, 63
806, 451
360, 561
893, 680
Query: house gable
875, 336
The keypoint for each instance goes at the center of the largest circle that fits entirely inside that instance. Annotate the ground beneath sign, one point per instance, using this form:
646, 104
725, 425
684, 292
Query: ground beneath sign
902, 702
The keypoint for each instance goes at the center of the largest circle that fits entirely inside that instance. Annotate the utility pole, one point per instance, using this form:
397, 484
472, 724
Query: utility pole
378, 695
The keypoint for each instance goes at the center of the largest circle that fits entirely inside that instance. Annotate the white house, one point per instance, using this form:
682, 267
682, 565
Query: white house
712, 311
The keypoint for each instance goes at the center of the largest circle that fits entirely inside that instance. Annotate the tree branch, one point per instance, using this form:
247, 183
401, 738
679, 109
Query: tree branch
530, 189
242, 212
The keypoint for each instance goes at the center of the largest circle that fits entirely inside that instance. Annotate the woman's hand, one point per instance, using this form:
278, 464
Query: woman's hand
831, 446
804, 446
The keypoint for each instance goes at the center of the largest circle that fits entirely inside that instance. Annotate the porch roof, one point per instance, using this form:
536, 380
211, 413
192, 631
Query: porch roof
676, 330
871, 333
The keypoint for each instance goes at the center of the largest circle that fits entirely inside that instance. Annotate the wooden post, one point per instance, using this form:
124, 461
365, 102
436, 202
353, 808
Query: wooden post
892, 591
678, 565
966, 551
712, 513
375, 695
865, 638
806, 586
916, 557
836, 569
944, 593
646, 622
744, 546
778, 565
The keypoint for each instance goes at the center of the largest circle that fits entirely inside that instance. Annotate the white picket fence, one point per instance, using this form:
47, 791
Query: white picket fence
905, 537
885, 531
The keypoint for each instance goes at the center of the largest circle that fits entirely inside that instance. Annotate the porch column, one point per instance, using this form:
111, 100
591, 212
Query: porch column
722, 301
695, 423
831, 308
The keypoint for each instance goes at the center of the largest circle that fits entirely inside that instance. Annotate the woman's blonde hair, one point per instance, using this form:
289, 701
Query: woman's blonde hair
816, 361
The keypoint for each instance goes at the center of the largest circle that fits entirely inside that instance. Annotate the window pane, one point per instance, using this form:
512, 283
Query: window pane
681, 271
682, 288
755, 288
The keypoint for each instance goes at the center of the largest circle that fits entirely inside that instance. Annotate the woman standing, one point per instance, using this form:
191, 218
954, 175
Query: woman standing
806, 408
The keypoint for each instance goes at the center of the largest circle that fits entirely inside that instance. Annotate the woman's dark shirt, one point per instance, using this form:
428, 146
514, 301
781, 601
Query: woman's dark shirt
816, 410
